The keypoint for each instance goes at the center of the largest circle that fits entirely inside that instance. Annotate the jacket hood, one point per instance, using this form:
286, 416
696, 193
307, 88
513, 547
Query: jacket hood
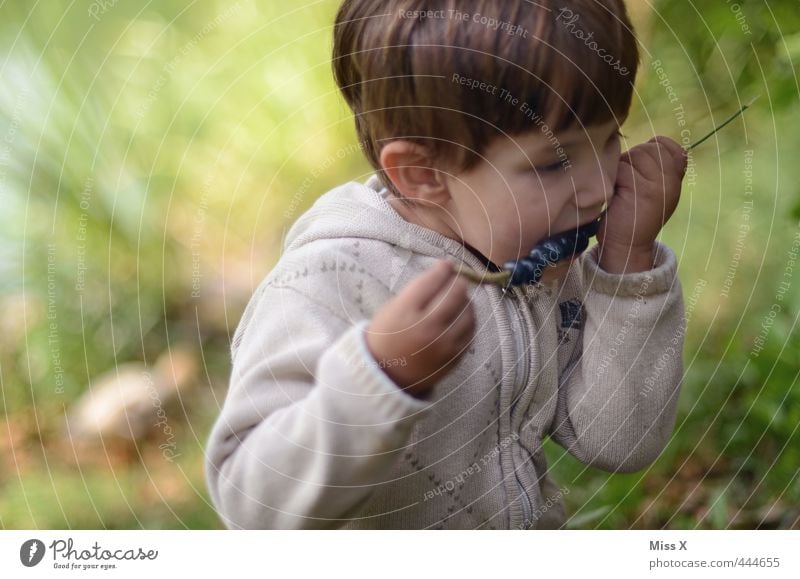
361, 210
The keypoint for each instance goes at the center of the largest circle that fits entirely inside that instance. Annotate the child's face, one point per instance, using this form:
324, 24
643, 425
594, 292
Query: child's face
521, 192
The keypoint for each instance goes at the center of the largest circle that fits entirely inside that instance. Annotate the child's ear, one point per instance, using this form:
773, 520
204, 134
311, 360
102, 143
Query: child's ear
410, 168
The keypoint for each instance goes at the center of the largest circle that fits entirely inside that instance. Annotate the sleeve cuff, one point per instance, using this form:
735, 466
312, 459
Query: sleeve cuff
367, 384
657, 280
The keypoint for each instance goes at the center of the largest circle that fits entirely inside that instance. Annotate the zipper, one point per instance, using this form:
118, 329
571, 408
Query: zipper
527, 509
522, 348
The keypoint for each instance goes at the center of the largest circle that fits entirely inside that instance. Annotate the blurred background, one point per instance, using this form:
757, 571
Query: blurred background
152, 156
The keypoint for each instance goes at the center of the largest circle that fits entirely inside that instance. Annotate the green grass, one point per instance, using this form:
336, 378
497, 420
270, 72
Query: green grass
176, 136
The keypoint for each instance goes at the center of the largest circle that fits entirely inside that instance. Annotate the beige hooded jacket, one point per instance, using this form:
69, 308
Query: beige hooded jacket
313, 433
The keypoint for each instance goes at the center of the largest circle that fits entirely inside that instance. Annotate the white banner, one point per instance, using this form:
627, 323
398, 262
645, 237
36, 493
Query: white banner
389, 554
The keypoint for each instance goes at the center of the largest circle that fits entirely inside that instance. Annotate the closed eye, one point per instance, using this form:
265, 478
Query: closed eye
617, 134
549, 168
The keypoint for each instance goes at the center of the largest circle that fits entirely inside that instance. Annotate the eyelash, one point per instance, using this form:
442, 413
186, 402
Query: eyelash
548, 168
556, 165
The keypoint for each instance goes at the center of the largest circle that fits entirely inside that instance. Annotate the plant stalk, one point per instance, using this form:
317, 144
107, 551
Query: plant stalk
728, 120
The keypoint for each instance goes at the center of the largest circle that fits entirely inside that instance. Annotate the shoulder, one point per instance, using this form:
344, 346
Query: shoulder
350, 275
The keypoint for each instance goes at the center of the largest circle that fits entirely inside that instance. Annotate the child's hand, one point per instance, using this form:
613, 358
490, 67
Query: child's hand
645, 196
420, 333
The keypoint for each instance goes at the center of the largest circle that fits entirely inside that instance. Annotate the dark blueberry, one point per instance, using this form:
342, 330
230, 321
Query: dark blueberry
522, 271
567, 242
582, 244
529, 269
590, 228
551, 249
537, 255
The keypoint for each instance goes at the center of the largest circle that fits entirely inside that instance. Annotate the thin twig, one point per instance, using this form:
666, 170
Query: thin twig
729, 119
500, 277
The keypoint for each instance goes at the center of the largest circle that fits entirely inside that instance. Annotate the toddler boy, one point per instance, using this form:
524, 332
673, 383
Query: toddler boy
372, 386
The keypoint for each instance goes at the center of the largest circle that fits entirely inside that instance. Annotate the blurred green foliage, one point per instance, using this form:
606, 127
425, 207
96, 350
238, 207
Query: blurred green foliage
154, 154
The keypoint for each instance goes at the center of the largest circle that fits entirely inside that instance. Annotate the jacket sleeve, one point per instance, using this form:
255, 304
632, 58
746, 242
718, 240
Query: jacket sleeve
310, 424
617, 399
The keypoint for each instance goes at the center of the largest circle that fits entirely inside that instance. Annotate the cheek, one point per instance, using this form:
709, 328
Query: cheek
507, 209
513, 223
535, 225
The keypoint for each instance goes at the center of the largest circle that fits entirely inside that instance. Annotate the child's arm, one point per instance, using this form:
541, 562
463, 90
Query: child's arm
618, 399
312, 423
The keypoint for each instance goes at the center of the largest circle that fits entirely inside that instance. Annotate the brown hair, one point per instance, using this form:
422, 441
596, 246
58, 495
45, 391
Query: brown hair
412, 69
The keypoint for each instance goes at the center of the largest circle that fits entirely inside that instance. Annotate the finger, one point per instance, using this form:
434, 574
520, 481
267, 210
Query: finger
460, 317
647, 162
661, 156
625, 159
659, 149
679, 155
673, 148
464, 327
450, 302
421, 290
646, 158
664, 143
